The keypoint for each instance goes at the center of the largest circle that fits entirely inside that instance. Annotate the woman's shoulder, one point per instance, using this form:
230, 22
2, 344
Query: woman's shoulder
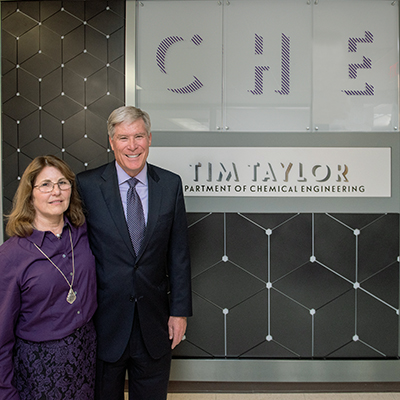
13, 249
77, 230
10, 244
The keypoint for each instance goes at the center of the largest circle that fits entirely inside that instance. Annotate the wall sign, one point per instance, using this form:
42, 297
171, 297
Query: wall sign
279, 172
256, 65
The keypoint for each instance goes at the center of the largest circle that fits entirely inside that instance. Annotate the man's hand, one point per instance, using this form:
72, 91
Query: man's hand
176, 329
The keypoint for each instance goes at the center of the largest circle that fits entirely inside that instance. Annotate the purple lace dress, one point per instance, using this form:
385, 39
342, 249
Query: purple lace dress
57, 369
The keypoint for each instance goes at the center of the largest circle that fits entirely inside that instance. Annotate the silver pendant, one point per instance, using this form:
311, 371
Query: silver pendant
71, 297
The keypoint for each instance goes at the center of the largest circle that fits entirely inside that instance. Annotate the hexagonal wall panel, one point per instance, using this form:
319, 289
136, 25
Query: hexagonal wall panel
50, 52
304, 301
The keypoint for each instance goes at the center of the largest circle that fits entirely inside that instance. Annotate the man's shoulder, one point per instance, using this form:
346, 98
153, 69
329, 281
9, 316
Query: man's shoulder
93, 173
162, 173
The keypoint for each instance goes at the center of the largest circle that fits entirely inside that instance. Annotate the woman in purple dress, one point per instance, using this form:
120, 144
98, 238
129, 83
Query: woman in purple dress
47, 290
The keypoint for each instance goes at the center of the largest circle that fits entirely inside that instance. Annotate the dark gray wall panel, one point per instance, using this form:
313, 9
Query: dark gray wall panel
62, 75
324, 285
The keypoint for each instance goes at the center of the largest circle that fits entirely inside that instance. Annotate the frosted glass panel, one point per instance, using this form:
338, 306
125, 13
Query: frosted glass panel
355, 65
268, 65
179, 80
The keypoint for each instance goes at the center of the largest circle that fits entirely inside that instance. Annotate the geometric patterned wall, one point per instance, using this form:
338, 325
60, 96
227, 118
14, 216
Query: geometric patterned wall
264, 285
63, 72
294, 286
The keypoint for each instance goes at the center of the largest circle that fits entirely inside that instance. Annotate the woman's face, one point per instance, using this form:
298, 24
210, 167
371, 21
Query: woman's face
50, 206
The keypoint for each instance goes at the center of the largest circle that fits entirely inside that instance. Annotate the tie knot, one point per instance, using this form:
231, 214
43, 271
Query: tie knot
133, 182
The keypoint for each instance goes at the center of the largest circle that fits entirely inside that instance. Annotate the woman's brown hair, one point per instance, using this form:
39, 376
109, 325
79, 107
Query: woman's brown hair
20, 221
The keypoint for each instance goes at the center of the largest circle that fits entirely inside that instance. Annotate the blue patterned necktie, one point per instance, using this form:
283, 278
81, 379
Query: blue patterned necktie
135, 216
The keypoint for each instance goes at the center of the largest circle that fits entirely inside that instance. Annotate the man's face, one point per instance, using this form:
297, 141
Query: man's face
131, 146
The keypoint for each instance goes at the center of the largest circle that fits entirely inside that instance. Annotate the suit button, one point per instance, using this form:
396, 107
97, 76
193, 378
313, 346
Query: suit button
136, 267
132, 299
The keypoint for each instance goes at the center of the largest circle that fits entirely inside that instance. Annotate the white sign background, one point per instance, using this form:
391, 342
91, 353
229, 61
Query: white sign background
279, 172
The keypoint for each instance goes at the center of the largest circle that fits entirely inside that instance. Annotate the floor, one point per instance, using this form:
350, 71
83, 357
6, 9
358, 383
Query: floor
282, 391
282, 396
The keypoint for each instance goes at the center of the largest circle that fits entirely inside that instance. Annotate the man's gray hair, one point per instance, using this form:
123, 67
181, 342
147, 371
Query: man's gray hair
128, 114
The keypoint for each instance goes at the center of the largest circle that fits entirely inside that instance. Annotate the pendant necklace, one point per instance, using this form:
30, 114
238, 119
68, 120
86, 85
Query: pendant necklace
71, 296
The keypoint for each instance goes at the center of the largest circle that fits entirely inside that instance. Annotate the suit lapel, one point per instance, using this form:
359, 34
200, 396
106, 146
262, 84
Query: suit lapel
112, 198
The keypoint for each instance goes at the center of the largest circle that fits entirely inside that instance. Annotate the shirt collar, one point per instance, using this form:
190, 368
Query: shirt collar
124, 177
37, 237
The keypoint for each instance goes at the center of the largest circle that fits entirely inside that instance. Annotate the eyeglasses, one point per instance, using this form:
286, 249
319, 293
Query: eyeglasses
47, 187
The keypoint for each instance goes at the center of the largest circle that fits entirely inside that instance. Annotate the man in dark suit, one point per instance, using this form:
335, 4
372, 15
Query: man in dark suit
144, 294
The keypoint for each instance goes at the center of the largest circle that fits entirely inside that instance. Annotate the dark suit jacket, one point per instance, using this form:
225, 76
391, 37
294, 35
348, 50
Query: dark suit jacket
157, 280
